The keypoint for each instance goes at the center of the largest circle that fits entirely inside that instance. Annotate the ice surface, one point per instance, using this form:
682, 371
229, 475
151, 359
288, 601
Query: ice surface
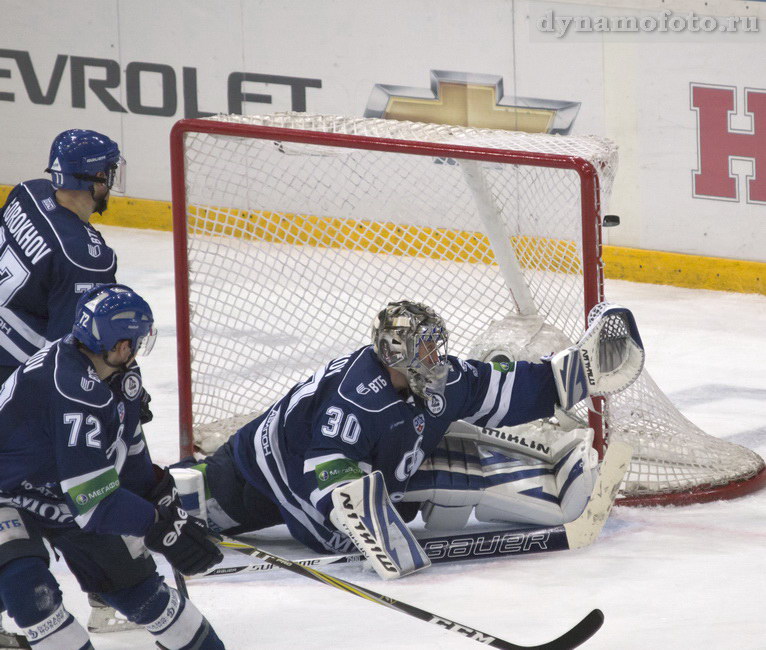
666, 578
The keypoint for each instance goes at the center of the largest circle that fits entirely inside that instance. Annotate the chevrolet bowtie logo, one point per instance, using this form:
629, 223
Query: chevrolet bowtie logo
469, 99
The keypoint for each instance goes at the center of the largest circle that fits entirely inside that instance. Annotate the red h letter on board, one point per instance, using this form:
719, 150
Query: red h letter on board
718, 144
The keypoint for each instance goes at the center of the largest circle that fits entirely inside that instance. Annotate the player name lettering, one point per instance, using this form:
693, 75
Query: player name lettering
59, 513
506, 543
30, 241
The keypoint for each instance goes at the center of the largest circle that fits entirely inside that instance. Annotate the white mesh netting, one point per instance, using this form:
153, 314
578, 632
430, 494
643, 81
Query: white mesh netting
292, 248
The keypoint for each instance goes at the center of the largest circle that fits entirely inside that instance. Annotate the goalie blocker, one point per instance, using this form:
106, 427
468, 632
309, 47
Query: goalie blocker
363, 510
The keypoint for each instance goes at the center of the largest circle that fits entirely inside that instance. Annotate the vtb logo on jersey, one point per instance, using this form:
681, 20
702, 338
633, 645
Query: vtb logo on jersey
718, 144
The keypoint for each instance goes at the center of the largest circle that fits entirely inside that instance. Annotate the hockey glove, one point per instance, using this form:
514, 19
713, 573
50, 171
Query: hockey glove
145, 414
183, 540
164, 493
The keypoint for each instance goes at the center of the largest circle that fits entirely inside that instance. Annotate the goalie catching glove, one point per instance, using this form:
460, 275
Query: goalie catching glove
183, 540
607, 359
363, 511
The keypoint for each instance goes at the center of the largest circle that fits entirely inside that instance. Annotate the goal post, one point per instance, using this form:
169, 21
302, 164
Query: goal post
292, 230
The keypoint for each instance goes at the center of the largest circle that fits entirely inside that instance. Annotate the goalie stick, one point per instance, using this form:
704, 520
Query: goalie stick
580, 633
498, 543
576, 534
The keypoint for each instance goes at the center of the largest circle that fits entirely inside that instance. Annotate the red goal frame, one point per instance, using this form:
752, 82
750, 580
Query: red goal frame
591, 246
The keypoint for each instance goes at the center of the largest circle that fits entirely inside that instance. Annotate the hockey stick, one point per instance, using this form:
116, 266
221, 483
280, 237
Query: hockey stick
576, 534
500, 543
571, 639
181, 583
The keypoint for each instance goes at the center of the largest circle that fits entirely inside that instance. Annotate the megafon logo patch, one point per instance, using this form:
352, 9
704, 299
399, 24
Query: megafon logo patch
719, 145
471, 99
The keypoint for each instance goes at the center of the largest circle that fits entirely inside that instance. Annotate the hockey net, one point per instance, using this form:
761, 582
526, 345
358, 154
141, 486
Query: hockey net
293, 230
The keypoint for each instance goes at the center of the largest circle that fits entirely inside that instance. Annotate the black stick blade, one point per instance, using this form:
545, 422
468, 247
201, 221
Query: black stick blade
578, 635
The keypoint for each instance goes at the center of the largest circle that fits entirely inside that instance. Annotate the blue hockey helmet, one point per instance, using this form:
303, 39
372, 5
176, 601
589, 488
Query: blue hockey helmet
78, 156
109, 313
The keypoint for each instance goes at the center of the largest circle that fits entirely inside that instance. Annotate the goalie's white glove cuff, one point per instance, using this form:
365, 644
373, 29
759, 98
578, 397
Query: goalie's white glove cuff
569, 376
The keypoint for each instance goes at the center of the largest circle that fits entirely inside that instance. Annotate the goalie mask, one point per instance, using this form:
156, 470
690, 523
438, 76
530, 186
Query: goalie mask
412, 338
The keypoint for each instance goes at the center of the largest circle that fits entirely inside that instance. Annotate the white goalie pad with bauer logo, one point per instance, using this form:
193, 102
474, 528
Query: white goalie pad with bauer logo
502, 477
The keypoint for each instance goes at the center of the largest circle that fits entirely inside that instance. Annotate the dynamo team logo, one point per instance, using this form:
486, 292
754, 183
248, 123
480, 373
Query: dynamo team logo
131, 385
436, 403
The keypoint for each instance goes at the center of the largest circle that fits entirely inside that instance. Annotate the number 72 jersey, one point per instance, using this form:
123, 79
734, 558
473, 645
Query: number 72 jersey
67, 449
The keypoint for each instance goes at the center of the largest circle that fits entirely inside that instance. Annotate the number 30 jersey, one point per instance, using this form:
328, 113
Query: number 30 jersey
347, 420
69, 444
48, 257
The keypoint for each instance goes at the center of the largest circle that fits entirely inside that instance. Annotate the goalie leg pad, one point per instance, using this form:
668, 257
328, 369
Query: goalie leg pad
560, 496
504, 486
362, 510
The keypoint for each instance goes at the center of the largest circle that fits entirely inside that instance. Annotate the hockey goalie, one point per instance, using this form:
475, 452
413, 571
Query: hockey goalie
350, 455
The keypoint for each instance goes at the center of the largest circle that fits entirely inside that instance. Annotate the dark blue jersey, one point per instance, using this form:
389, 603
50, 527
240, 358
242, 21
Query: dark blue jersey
48, 257
347, 419
69, 443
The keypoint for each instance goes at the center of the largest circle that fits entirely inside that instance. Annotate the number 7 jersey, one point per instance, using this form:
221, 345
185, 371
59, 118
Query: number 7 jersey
48, 257
347, 420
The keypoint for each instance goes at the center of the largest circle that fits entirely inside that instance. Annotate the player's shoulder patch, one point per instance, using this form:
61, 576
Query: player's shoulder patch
366, 384
436, 403
131, 385
78, 381
81, 244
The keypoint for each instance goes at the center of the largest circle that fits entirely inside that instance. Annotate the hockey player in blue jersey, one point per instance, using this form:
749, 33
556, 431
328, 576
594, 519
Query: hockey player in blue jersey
49, 252
75, 471
338, 456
